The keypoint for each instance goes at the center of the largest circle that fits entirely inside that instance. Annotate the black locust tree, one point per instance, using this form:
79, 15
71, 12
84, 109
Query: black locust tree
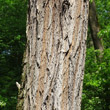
94, 26
54, 60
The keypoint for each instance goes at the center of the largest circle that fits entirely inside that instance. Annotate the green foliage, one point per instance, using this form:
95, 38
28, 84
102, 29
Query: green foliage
96, 81
2, 101
90, 0
103, 10
96, 89
12, 44
105, 35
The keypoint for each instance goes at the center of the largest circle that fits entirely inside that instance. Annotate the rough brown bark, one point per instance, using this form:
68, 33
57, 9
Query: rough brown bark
55, 55
94, 26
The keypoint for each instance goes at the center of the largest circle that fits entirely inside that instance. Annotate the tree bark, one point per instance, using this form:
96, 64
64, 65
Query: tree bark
94, 26
54, 60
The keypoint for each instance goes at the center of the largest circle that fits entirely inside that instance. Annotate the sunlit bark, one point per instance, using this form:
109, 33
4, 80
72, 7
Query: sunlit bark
55, 55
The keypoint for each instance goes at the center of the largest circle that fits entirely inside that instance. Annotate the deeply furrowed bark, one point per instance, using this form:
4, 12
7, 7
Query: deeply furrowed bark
55, 55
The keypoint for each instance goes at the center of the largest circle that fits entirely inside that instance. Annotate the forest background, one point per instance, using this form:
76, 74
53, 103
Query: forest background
96, 87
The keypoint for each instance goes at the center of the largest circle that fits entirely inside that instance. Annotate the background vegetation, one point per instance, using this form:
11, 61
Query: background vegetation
96, 89
12, 45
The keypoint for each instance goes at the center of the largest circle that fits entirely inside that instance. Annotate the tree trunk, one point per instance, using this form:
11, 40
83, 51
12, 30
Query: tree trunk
54, 60
94, 26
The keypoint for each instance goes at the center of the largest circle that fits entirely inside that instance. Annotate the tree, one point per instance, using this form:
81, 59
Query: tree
54, 60
94, 26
